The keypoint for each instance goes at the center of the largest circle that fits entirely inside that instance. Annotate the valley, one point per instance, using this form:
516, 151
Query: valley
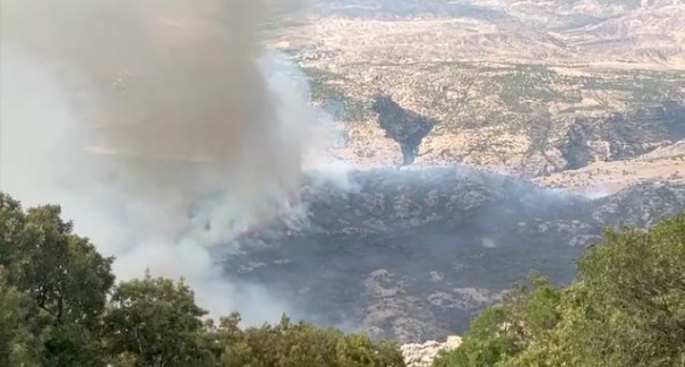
549, 121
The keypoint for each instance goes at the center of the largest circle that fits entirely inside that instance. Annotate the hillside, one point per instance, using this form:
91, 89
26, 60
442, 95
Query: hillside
511, 84
416, 254
587, 97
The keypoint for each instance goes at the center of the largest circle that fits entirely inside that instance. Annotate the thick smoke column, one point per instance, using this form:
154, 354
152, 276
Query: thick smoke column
166, 80
172, 100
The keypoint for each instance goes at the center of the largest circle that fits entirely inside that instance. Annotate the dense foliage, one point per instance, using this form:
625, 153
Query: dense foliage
627, 309
62, 307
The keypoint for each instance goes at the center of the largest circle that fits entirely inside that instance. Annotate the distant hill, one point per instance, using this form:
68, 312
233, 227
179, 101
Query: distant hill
508, 82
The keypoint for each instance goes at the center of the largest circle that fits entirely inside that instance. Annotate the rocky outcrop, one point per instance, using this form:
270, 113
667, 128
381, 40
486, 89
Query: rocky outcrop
423, 354
622, 136
415, 254
642, 205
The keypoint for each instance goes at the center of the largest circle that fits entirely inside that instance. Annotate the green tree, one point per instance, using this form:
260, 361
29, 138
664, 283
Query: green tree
68, 281
635, 303
155, 322
11, 226
525, 317
288, 344
17, 345
627, 309
63, 275
67, 278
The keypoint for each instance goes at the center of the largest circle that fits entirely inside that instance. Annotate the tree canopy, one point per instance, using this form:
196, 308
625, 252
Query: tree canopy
626, 309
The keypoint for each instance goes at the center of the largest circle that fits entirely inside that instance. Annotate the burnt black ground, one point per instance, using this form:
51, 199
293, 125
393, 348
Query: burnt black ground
480, 232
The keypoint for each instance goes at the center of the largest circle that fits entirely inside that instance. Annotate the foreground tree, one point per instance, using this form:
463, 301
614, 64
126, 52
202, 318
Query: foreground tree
525, 317
64, 278
627, 309
68, 281
18, 347
288, 344
12, 221
155, 322
633, 297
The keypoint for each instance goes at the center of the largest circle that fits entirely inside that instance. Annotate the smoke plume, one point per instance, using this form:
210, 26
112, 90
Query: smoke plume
130, 112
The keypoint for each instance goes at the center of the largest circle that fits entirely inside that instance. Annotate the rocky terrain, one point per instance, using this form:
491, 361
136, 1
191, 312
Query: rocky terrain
422, 354
532, 87
414, 254
602, 178
528, 127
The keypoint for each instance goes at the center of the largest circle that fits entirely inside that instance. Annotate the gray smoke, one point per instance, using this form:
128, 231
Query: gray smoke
127, 112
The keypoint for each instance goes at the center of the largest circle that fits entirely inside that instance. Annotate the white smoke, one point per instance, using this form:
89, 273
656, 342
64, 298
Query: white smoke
191, 106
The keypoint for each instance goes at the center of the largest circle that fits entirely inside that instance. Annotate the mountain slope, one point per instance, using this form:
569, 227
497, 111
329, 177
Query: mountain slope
415, 254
